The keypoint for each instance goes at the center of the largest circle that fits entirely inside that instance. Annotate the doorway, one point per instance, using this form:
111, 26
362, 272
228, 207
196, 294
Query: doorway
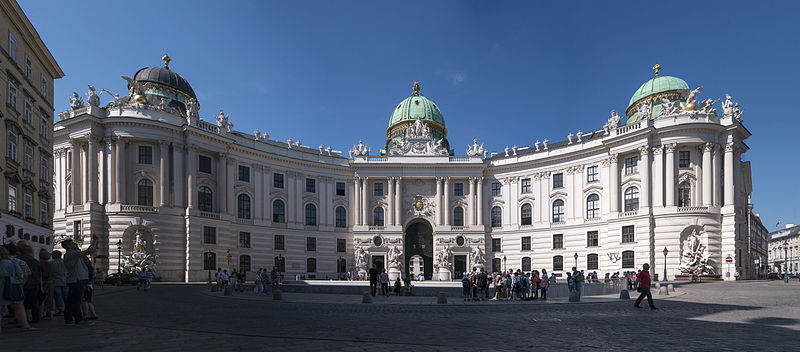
419, 242
416, 265
460, 264
377, 262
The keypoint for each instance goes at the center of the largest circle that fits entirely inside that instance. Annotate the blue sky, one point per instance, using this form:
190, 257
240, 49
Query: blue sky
505, 72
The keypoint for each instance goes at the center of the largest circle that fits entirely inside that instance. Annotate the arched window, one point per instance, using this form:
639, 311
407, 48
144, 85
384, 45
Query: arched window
497, 216
593, 206
377, 217
311, 265
280, 263
209, 261
591, 262
526, 213
144, 190
278, 211
526, 263
496, 265
458, 216
244, 264
311, 215
558, 210
558, 263
684, 194
205, 199
243, 206
631, 199
627, 260
341, 217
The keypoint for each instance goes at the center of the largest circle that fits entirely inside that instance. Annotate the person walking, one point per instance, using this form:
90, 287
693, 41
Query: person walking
384, 279
11, 274
373, 280
644, 287
33, 283
77, 279
47, 298
59, 282
578, 278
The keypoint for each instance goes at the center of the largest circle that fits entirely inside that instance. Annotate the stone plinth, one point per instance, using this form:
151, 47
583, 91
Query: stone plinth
394, 273
443, 274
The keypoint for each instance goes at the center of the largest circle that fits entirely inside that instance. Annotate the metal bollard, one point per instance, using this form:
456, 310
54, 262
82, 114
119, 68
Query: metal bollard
663, 291
228, 291
624, 294
670, 288
658, 285
367, 297
441, 298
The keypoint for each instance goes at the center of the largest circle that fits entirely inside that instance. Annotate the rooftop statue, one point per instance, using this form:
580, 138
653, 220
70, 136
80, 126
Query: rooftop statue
691, 101
418, 141
92, 97
75, 101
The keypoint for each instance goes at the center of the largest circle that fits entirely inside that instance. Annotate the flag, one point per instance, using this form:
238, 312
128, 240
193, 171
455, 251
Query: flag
779, 222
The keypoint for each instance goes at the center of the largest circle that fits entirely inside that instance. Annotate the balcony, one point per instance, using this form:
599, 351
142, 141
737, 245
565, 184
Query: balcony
206, 126
377, 228
684, 210
629, 213
590, 220
139, 209
209, 215
244, 221
458, 228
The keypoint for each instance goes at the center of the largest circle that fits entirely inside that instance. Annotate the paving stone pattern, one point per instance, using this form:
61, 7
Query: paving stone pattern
707, 316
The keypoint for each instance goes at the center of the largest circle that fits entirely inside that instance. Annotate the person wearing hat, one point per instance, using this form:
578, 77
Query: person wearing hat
77, 279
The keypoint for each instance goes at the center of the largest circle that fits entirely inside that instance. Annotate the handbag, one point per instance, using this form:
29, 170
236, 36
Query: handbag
13, 292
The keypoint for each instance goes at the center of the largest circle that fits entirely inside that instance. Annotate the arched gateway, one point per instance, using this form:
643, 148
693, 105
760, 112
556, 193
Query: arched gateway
418, 243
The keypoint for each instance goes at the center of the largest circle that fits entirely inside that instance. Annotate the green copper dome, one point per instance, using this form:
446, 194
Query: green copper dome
659, 84
416, 107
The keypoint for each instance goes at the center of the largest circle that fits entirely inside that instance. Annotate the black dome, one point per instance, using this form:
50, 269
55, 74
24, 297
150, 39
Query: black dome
164, 76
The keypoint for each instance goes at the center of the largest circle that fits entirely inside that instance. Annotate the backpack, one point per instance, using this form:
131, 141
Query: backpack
465, 281
482, 280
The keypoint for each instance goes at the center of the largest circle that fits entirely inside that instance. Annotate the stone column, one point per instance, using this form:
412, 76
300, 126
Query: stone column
544, 196
398, 201
708, 183
119, 163
108, 185
669, 178
322, 211
331, 189
230, 181
365, 201
267, 182
91, 175
300, 214
439, 201
613, 184
728, 195
390, 200
222, 174
537, 193
357, 200
471, 203
83, 172
507, 205
59, 180
178, 174
644, 173
191, 178
716, 168
75, 170
658, 177
258, 175
290, 199
164, 177
479, 195
446, 204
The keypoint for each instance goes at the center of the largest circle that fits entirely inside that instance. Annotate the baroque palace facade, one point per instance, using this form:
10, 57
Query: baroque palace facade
666, 186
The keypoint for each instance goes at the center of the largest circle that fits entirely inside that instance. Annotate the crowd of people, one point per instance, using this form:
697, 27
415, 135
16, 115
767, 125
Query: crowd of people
34, 289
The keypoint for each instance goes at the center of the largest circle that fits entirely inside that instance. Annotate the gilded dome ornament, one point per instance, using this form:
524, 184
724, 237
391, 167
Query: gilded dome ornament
166, 60
656, 69
416, 88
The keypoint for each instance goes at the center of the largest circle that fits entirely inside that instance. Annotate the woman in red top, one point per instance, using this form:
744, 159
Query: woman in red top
644, 287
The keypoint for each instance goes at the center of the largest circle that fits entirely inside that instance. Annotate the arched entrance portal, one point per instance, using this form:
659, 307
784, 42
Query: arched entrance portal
419, 243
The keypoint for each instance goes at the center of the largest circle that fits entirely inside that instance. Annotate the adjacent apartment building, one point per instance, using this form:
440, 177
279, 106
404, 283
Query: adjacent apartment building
27, 71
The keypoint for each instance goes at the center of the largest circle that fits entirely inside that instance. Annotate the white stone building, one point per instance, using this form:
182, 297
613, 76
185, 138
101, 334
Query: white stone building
609, 199
784, 250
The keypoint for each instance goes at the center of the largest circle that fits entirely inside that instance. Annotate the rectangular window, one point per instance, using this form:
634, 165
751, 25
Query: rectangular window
77, 231
280, 242
458, 189
311, 244
340, 187
209, 261
28, 203
27, 111
209, 235
497, 189
632, 165
12, 94
44, 126
378, 189
558, 180
628, 261
526, 243
558, 263
341, 245
496, 245
526, 263
145, 154
592, 239
628, 234
12, 198
244, 264
44, 169
204, 164
592, 174
28, 161
12, 146
277, 180
244, 240
311, 185
592, 262
12, 47
558, 241
43, 215
43, 86
28, 68
526, 185
683, 158
244, 173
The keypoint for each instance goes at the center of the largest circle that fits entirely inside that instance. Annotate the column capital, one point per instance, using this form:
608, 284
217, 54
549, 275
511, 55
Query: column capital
708, 147
446, 180
658, 150
644, 150
613, 158
729, 147
163, 143
670, 148
223, 155
92, 138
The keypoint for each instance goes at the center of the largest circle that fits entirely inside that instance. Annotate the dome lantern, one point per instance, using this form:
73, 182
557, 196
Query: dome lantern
654, 91
409, 110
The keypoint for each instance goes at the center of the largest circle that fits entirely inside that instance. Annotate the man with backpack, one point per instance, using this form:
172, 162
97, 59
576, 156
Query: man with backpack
466, 285
578, 278
483, 285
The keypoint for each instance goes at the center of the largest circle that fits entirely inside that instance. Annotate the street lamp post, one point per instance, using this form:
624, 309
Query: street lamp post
758, 269
785, 261
576, 260
119, 256
665, 263
208, 260
505, 267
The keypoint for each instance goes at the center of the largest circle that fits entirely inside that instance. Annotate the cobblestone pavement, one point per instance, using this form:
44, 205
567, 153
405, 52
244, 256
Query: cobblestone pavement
170, 317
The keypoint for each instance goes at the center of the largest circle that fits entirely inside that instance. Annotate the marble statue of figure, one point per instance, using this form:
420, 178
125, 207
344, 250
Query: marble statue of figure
359, 150
162, 105
537, 145
222, 119
691, 100
119, 100
192, 107
140, 259
707, 107
361, 257
614, 120
669, 108
137, 88
443, 257
645, 110
92, 98
694, 255
75, 101
474, 149
737, 112
477, 256
727, 106
506, 150
395, 260
139, 244
417, 141
579, 135
569, 137
545, 143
